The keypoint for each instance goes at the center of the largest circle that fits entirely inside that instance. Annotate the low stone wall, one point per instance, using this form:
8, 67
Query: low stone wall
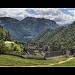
34, 57
31, 51
24, 56
54, 53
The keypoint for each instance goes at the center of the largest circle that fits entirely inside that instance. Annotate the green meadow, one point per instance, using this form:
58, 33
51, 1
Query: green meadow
9, 60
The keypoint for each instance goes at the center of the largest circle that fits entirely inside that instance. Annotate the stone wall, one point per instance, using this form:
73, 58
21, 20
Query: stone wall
52, 54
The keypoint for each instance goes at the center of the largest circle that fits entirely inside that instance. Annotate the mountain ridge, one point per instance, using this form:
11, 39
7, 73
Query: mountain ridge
63, 36
27, 28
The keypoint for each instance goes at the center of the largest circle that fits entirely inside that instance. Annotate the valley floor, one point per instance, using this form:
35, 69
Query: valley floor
9, 60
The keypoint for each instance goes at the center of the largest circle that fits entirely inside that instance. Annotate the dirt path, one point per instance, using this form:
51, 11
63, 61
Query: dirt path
61, 62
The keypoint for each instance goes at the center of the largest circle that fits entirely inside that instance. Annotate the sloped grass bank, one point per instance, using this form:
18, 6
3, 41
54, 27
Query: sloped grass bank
70, 63
9, 60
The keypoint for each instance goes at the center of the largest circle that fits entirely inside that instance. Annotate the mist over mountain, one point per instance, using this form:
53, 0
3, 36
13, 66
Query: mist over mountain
27, 28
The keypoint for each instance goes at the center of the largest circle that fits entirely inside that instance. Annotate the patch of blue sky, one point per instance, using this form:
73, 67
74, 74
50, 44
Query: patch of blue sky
30, 11
65, 11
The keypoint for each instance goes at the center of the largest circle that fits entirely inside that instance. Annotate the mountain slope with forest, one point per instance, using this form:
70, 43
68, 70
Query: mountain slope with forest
27, 28
64, 36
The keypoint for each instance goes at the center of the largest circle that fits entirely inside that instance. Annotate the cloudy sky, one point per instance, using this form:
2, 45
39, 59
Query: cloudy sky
60, 15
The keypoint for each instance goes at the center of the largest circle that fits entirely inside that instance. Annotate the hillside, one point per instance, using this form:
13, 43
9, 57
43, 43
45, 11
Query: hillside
64, 36
41, 37
9, 60
47, 34
7, 45
27, 28
14, 27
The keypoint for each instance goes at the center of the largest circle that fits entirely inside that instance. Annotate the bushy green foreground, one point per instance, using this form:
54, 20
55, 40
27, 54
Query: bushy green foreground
15, 46
9, 60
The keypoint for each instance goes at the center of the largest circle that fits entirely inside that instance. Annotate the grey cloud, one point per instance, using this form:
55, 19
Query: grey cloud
3, 14
58, 19
50, 13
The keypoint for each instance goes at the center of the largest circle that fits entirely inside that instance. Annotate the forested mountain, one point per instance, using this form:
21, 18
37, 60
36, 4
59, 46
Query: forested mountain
63, 36
27, 28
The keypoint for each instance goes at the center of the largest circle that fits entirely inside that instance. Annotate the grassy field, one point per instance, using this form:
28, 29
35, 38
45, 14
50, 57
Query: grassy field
9, 60
70, 63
